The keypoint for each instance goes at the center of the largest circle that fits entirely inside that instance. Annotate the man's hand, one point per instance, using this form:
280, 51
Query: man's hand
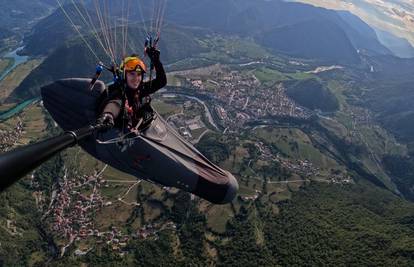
153, 54
106, 121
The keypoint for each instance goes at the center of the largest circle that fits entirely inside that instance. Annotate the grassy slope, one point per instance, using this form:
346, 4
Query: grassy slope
5, 63
284, 138
12, 81
375, 140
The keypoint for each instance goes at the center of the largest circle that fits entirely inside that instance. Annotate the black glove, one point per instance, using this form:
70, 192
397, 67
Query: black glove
106, 121
153, 53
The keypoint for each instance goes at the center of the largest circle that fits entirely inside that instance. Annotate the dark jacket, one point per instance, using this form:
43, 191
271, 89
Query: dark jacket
115, 102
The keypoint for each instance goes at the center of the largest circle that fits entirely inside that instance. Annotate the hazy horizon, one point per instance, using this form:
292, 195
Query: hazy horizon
394, 16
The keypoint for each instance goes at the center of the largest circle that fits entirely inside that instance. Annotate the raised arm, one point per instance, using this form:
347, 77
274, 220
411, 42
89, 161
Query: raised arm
160, 81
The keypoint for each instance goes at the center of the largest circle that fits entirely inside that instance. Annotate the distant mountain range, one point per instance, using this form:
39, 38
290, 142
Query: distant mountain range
286, 21
291, 28
399, 46
294, 29
393, 16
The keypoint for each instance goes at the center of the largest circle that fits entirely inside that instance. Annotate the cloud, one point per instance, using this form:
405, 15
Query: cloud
396, 16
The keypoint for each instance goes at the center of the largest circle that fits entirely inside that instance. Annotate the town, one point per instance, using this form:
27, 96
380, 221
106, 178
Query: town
302, 168
237, 99
74, 201
8, 139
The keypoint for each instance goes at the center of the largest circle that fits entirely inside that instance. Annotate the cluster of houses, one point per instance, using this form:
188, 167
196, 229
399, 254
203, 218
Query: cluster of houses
9, 138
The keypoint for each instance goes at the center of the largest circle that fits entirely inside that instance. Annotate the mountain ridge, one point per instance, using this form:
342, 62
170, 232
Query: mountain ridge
240, 17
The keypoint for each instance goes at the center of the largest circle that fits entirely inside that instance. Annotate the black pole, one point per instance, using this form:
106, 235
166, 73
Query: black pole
17, 163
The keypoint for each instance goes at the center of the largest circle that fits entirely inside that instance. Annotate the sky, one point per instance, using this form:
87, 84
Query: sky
395, 16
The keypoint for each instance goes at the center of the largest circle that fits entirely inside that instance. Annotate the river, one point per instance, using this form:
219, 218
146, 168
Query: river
207, 111
17, 61
11, 112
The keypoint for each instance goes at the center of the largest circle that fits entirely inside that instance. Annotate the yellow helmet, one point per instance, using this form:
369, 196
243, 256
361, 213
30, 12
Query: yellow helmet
132, 64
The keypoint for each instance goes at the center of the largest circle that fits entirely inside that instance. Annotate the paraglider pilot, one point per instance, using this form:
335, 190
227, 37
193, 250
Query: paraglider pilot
124, 105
